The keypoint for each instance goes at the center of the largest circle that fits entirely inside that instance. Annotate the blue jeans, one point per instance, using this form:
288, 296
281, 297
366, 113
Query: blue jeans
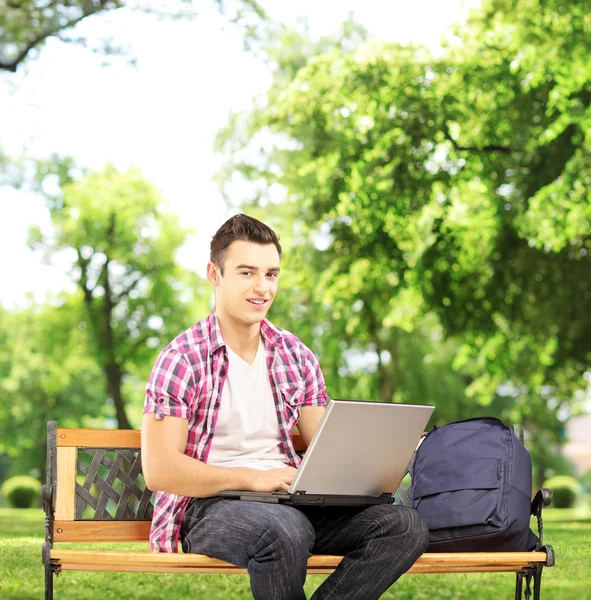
273, 542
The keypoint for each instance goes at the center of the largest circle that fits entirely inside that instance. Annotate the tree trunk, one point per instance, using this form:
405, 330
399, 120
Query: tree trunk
113, 374
388, 373
112, 366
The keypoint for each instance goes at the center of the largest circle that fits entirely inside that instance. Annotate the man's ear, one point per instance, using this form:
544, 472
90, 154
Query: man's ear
213, 274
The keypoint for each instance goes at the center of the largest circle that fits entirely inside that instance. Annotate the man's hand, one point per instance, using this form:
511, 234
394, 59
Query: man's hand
272, 480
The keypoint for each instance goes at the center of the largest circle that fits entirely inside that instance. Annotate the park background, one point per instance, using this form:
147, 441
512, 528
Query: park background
427, 165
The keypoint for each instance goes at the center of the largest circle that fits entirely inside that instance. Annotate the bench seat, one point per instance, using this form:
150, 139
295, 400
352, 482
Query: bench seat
436, 562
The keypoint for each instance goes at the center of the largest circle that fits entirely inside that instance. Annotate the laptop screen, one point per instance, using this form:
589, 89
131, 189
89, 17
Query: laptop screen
361, 448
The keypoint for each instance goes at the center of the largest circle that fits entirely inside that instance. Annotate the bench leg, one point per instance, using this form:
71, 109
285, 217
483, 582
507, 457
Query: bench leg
534, 574
48, 582
519, 586
537, 583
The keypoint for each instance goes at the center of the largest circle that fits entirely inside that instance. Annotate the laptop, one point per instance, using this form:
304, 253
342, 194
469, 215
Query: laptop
357, 457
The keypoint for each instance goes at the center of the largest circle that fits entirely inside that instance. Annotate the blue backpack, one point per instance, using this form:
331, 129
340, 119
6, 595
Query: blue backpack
472, 483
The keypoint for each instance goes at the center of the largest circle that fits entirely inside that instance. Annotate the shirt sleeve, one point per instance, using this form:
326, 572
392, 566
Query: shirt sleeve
171, 386
315, 388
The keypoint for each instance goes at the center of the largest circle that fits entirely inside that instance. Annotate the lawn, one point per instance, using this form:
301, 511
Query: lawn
21, 572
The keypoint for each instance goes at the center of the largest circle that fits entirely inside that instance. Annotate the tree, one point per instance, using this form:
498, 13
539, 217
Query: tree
26, 25
46, 372
359, 359
121, 242
455, 187
337, 310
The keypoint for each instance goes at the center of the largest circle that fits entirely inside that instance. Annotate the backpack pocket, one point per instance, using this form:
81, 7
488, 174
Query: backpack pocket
459, 494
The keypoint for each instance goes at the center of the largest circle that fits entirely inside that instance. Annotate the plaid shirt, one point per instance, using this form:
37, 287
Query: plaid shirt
187, 381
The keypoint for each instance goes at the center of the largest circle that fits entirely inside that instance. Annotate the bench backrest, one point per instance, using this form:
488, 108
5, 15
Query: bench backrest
100, 492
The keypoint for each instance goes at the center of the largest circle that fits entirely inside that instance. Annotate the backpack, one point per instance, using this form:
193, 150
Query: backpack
471, 484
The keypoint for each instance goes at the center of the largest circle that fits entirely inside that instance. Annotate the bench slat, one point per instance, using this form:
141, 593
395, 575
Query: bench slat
458, 562
101, 531
154, 569
119, 438
414, 570
99, 438
66, 476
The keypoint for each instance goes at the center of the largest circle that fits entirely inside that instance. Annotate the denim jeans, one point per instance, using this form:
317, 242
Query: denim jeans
273, 542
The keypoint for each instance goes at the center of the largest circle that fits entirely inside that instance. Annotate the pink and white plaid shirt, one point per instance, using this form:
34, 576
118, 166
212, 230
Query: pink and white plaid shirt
187, 381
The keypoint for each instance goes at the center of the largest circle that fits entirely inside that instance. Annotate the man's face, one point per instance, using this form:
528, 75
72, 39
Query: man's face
248, 286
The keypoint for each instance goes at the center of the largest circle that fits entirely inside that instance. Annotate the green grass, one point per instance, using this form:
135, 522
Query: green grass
21, 572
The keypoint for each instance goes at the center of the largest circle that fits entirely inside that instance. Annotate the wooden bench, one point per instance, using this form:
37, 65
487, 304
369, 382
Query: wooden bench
95, 492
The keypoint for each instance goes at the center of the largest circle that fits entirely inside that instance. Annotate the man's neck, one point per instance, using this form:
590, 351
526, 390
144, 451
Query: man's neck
242, 339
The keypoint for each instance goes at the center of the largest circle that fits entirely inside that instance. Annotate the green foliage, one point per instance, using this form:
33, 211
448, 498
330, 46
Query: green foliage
26, 25
46, 372
441, 205
565, 490
22, 491
122, 243
83, 358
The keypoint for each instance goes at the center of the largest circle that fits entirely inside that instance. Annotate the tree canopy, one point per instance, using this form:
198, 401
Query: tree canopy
121, 243
455, 186
46, 372
26, 25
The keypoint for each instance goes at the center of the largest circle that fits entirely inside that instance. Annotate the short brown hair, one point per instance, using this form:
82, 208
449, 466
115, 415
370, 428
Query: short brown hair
242, 228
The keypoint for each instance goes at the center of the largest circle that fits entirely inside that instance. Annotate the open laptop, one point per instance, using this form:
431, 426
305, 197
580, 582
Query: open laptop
357, 456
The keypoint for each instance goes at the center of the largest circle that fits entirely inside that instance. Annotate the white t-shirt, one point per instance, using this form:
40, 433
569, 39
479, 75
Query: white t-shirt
247, 431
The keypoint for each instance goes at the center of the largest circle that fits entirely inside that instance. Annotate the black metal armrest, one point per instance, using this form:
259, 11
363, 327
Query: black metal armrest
541, 499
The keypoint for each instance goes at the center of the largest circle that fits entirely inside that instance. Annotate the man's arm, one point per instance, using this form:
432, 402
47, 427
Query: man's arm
309, 419
167, 468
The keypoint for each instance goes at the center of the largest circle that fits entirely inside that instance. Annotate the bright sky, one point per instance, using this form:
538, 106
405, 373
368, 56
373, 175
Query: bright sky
161, 116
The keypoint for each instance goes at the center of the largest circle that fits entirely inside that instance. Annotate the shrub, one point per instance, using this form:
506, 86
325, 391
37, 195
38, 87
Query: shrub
22, 491
565, 490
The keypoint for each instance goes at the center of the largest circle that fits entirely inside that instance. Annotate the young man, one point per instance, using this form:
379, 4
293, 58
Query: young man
221, 403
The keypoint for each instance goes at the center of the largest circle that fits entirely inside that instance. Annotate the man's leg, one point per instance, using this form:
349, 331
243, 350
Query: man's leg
379, 543
272, 541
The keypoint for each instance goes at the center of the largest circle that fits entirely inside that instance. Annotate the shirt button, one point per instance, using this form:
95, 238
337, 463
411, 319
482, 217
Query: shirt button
210, 435
216, 405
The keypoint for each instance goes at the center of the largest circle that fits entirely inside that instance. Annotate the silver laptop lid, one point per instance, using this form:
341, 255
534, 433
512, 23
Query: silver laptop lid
361, 448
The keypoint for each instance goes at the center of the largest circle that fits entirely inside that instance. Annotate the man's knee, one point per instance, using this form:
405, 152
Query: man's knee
419, 531
288, 533
402, 523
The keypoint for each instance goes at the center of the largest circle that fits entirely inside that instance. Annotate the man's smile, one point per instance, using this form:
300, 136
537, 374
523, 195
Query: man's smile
257, 301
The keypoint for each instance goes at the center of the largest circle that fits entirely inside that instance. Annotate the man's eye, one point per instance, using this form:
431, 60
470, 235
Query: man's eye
245, 273
274, 275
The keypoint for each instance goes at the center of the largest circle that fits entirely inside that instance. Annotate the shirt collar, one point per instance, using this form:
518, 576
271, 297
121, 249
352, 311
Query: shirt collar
216, 340
270, 333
